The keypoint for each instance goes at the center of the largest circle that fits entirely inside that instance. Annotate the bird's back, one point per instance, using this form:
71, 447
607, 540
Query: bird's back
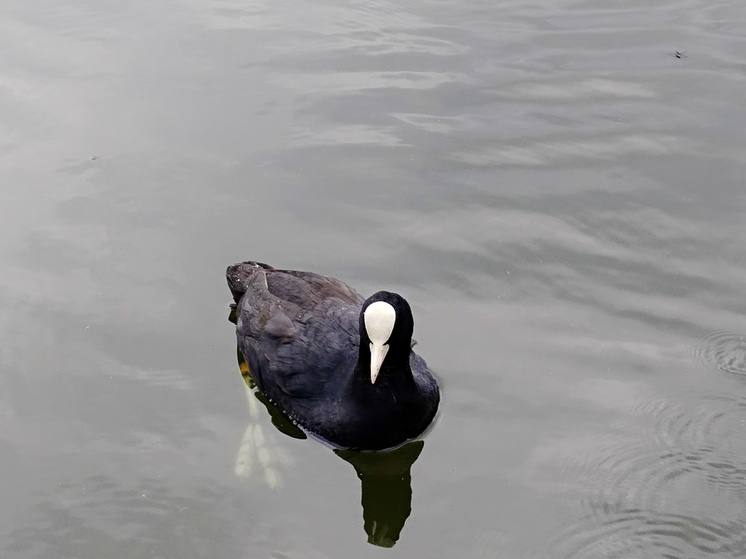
297, 330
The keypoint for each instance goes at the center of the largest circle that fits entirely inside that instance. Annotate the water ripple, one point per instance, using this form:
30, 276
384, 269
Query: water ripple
664, 482
703, 425
636, 533
723, 351
698, 445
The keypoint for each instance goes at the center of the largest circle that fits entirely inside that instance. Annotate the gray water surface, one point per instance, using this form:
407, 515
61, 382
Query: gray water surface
559, 196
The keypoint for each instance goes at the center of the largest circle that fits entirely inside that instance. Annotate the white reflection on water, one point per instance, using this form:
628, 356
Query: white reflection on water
260, 455
562, 151
580, 90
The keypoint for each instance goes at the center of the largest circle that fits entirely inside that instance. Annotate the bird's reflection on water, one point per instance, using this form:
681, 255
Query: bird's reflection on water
385, 476
386, 487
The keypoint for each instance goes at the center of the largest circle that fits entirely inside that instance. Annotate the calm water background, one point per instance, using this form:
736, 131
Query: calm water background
561, 199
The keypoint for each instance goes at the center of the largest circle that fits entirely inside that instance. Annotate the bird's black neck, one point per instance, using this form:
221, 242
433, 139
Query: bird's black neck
395, 371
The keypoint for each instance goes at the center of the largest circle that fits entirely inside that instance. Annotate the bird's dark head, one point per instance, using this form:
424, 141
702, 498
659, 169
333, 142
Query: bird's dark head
386, 326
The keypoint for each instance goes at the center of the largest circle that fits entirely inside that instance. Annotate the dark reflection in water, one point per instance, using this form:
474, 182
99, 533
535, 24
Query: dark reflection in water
386, 486
385, 476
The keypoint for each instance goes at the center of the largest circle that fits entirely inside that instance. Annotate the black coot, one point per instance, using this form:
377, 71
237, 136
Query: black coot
340, 366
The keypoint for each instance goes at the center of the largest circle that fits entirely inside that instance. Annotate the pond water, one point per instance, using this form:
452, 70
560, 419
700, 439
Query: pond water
556, 187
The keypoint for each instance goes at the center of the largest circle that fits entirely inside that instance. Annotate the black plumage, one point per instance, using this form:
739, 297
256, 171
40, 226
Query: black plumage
307, 348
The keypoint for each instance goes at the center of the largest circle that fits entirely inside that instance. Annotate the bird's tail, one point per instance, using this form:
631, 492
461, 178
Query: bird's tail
240, 275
